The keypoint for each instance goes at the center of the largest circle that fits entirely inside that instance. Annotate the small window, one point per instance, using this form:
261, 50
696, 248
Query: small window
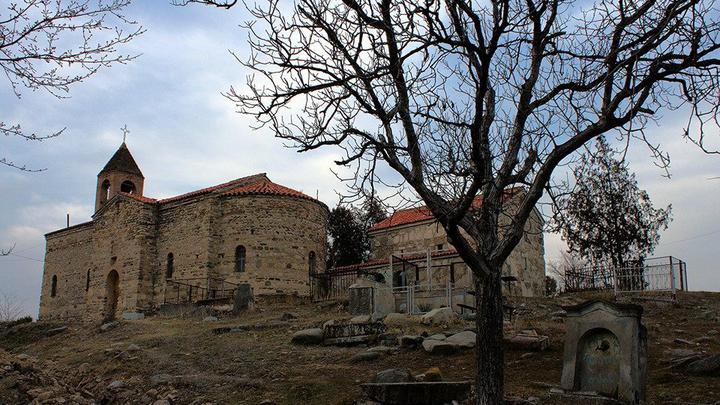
452, 273
440, 246
87, 281
128, 187
170, 266
240, 259
105, 190
53, 287
312, 263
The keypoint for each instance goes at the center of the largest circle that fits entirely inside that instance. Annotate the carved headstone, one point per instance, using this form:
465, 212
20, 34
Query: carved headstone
243, 298
361, 300
606, 350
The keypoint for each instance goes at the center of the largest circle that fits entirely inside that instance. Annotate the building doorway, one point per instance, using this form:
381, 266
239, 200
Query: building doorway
112, 292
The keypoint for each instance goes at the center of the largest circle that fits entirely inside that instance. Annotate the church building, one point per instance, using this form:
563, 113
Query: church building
138, 253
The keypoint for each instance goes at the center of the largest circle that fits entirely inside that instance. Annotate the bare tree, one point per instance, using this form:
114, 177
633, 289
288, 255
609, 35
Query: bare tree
10, 308
569, 270
54, 44
465, 99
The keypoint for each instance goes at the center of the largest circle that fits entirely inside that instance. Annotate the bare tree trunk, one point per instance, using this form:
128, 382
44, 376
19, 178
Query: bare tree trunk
489, 353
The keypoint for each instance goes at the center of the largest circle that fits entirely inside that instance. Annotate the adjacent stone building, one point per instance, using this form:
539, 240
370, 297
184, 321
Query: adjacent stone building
127, 258
411, 246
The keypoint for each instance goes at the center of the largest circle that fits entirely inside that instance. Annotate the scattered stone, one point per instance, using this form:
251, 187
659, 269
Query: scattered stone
706, 367
109, 325
527, 355
329, 323
55, 331
158, 379
210, 319
393, 375
382, 349
161, 402
416, 393
683, 342
388, 339
361, 319
437, 336
116, 385
312, 336
438, 316
133, 348
267, 402
353, 333
432, 374
411, 341
133, 316
287, 316
396, 319
561, 314
680, 352
523, 342
440, 347
464, 339
365, 356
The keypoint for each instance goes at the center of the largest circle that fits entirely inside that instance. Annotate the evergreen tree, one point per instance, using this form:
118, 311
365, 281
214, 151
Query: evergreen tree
607, 219
348, 237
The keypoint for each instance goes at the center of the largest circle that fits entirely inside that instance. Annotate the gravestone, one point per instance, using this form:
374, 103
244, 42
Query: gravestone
361, 300
605, 350
243, 298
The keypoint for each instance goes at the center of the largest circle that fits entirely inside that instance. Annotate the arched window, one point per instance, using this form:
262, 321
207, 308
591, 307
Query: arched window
240, 259
87, 281
312, 263
128, 187
170, 266
53, 287
105, 190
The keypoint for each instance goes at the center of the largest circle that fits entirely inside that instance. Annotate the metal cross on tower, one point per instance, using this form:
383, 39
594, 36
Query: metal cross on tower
125, 131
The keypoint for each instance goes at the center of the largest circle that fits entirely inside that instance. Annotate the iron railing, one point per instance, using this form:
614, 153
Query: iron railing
194, 290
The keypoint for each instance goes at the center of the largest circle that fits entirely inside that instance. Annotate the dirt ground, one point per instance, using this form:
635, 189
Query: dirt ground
181, 360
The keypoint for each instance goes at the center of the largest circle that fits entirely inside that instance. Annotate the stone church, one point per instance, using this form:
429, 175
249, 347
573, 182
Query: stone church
138, 252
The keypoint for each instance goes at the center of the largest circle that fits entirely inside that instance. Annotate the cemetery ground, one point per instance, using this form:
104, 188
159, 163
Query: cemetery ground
180, 359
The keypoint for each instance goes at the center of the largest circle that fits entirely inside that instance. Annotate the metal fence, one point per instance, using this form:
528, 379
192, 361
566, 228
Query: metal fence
660, 275
194, 290
333, 285
420, 298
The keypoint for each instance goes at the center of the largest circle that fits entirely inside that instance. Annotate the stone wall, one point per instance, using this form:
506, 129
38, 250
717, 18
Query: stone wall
133, 239
278, 234
68, 257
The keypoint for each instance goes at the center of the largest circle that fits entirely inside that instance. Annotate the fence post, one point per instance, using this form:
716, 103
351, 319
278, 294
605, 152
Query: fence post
428, 269
672, 278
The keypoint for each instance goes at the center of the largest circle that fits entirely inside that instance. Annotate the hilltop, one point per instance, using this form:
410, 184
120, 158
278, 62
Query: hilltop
179, 359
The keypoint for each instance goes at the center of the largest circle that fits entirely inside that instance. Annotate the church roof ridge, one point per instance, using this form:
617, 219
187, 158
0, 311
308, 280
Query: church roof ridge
122, 160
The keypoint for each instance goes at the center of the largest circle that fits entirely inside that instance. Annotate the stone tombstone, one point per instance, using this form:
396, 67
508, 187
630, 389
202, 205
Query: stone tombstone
360, 300
605, 350
243, 298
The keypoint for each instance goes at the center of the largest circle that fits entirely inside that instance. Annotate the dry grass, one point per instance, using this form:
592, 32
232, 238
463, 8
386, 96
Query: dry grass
248, 367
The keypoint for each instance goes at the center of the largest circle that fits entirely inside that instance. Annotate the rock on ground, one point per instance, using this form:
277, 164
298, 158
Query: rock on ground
393, 375
396, 319
312, 336
439, 347
464, 339
707, 366
365, 356
438, 316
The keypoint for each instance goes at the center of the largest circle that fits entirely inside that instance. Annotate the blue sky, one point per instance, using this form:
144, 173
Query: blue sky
185, 135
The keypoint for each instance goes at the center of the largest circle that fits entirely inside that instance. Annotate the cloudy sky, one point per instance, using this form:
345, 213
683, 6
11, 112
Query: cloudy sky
185, 135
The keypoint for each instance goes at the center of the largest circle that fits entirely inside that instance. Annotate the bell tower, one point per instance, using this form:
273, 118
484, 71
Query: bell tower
120, 175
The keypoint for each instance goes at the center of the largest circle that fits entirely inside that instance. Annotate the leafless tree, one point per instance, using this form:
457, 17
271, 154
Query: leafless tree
53, 44
226, 4
567, 269
10, 308
465, 99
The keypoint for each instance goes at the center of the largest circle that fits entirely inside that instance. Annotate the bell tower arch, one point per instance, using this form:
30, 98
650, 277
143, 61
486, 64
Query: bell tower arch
121, 174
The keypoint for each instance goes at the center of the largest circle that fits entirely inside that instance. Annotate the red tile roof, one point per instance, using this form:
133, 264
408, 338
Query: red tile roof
410, 258
418, 214
266, 187
257, 184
